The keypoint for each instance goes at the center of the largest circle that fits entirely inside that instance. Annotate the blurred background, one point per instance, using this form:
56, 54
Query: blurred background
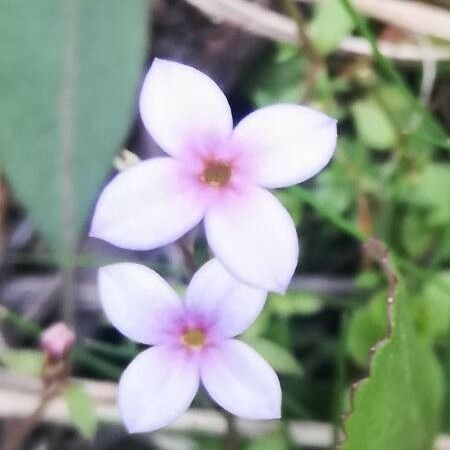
70, 73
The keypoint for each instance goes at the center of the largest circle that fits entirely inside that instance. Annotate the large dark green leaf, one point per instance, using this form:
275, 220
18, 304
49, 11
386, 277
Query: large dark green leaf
68, 77
398, 406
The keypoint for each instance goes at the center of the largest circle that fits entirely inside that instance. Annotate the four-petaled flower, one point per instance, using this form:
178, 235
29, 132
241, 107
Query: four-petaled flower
216, 173
192, 342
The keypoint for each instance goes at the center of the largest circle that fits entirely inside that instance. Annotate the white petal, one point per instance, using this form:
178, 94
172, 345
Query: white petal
255, 239
241, 381
138, 302
290, 143
146, 207
157, 387
181, 107
228, 304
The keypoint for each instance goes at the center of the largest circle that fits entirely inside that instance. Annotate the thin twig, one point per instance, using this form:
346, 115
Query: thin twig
18, 436
269, 24
316, 62
187, 251
411, 16
231, 441
304, 41
376, 250
54, 376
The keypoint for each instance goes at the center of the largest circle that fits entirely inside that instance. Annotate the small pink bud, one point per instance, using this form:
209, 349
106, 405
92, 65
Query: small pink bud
57, 340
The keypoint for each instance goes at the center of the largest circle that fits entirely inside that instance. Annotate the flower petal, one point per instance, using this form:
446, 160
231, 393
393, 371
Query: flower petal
230, 306
255, 239
181, 106
290, 143
157, 387
146, 207
241, 381
138, 302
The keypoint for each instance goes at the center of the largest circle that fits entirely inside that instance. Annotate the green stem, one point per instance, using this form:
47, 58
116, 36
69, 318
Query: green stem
327, 213
17, 321
350, 229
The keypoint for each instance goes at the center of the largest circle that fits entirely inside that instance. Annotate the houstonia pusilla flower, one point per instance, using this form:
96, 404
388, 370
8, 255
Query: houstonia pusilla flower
192, 342
217, 174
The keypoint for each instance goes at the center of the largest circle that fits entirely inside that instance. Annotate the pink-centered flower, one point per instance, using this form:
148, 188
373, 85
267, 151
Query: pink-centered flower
192, 341
217, 174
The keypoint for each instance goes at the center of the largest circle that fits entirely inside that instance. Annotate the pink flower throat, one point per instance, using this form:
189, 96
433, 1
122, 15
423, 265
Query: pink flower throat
194, 338
216, 173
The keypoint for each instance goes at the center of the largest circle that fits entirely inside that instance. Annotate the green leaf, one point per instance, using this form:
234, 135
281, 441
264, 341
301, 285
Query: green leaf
284, 79
334, 189
81, 409
295, 303
68, 77
431, 190
398, 406
372, 124
274, 441
259, 326
291, 203
369, 279
278, 357
25, 362
367, 326
280, 80
433, 308
397, 102
415, 237
330, 24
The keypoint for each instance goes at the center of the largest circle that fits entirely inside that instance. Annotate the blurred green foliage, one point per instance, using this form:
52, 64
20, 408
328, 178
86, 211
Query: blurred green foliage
81, 409
389, 178
25, 362
329, 25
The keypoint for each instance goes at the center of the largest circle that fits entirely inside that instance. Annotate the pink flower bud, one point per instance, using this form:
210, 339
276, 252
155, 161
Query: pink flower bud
57, 340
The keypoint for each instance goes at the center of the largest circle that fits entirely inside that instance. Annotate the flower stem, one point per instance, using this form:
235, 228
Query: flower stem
15, 442
188, 255
315, 59
231, 438
231, 441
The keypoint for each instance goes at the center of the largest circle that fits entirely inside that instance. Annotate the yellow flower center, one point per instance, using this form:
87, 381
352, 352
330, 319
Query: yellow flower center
194, 338
216, 173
